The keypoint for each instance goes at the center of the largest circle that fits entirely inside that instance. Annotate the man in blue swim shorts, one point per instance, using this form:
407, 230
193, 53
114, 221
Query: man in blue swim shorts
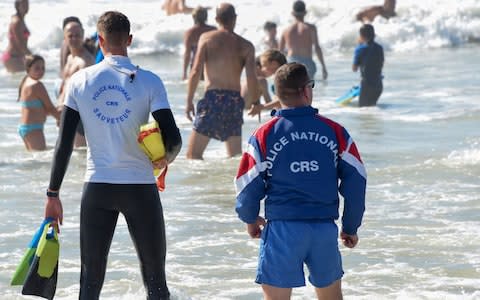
299, 162
299, 39
221, 56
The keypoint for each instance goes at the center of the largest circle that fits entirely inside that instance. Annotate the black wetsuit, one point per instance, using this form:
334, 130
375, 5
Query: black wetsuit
370, 58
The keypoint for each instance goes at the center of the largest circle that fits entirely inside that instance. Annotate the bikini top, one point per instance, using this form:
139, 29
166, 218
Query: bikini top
35, 103
11, 34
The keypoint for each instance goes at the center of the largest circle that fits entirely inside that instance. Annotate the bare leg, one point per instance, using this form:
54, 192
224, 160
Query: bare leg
196, 145
35, 141
234, 145
276, 293
331, 292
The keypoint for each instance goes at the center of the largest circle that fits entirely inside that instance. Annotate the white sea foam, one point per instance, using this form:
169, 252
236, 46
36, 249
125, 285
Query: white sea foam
419, 24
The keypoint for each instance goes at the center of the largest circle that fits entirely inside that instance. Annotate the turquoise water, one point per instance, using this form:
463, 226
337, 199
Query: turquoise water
419, 239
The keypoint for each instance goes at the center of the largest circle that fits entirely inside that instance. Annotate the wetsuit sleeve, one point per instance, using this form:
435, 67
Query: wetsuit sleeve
353, 181
64, 147
357, 54
250, 183
170, 132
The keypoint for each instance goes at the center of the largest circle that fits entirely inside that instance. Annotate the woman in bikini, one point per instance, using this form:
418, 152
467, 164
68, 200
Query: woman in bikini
14, 56
35, 103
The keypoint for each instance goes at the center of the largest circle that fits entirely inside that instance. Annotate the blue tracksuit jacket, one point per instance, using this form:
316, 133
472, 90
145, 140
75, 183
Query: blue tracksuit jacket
299, 162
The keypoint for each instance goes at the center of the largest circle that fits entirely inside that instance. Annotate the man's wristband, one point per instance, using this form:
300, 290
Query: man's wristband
52, 194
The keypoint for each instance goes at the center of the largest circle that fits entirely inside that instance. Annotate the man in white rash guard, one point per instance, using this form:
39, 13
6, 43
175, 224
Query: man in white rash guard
113, 99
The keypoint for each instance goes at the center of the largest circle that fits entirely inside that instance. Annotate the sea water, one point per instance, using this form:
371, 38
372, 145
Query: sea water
420, 145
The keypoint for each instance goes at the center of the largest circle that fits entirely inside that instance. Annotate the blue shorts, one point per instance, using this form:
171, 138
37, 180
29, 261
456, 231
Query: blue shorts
307, 62
286, 246
219, 114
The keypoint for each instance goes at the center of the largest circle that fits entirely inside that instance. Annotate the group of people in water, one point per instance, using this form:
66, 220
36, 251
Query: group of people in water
299, 41
119, 178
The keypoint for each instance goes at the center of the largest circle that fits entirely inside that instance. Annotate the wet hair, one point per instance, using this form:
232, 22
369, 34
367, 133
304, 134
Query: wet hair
269, 26
289, 80
225, 13
299, 9
200, 15
70, 19
367, 32
114, 27
274, 55
30, 60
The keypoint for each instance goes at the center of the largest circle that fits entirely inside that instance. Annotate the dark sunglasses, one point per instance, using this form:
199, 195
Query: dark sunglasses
310, 84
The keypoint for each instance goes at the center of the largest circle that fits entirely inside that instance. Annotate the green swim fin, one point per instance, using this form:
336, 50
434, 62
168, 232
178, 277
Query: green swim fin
22, 269
41, 279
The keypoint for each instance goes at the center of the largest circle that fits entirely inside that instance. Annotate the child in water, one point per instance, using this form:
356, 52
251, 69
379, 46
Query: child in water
35, 104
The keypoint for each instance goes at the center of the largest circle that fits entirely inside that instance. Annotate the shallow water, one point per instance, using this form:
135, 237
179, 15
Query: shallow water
419, 239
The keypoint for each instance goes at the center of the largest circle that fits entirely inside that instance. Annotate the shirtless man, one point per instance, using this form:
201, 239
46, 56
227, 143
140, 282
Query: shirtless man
221, 55
299, 39
192, 35
387, 10
78, 59
172, 7
64, 50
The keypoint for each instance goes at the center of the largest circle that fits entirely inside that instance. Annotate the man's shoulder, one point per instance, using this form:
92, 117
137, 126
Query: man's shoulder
150, 75
377, 45
212, 33
244, 42
310, 26
149, 79
360, 48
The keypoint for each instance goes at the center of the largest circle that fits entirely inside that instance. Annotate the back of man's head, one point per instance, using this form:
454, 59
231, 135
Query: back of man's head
200, 15
290, 79
114, 27
269, 26
225, 13
70, 19
299, 9
367, 32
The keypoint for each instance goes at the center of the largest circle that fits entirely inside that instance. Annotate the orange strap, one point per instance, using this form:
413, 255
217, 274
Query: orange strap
161, 179
145, 133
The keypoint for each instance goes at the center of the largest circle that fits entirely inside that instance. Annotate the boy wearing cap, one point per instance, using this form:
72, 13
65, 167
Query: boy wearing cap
298, 163
299, 39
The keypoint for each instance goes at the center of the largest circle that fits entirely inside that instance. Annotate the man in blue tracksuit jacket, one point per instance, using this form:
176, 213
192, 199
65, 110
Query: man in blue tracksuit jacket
298, 162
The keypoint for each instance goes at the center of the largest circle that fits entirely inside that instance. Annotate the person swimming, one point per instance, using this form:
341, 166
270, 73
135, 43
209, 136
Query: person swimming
368, 14
35, 104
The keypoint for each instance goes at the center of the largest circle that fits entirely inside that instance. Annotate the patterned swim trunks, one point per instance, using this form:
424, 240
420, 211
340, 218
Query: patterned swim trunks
219, 114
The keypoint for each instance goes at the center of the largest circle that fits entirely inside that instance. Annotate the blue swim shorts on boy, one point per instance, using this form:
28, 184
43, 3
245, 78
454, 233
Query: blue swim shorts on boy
286, 246
219, 114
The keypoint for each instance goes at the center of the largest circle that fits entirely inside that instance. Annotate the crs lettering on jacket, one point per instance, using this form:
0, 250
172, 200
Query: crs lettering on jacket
301, 165
110, 100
